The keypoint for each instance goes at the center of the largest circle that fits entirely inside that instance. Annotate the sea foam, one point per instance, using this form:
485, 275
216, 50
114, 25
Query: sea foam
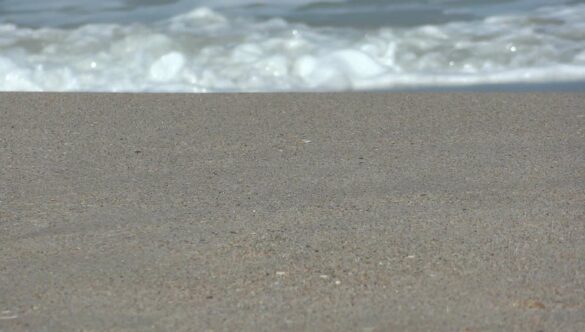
203, 50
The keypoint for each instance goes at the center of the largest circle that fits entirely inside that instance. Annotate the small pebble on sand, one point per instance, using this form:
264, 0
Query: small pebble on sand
7, 314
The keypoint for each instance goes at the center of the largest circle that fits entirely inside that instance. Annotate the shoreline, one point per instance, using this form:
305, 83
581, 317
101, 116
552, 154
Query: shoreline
514, 87
292, 211
543, 87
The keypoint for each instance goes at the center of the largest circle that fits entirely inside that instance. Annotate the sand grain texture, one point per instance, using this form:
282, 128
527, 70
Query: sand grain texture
320, 212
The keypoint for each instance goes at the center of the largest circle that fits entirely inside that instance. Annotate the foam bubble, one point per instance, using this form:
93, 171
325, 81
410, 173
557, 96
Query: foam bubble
167, 67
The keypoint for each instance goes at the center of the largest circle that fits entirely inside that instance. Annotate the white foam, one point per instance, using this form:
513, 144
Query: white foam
167, 67
203, 50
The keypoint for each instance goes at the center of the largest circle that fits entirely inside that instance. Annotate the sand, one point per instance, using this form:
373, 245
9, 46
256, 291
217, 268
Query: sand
318, 212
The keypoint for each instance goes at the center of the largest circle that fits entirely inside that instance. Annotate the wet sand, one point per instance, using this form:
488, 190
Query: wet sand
319, 212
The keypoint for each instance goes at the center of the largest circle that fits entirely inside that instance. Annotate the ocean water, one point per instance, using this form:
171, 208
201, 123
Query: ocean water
287, 45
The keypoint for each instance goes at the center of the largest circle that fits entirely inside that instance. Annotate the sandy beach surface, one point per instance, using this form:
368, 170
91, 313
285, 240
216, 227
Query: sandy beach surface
268, 212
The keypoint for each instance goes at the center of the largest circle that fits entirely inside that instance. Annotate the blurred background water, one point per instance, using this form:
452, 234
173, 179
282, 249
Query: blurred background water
288, 45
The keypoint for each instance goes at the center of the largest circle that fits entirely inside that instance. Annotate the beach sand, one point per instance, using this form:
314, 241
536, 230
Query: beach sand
319, 212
